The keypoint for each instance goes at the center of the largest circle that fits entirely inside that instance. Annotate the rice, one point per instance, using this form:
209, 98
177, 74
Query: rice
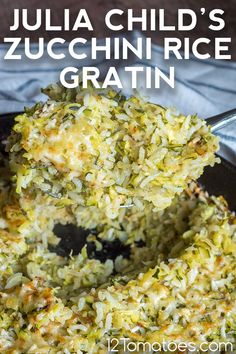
99, 149
178, 282
177, 286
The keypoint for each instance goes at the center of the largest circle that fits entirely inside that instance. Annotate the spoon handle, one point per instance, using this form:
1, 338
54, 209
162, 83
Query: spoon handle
222, 119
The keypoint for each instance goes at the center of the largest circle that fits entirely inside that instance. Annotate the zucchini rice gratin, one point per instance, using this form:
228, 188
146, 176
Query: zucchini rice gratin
124, 170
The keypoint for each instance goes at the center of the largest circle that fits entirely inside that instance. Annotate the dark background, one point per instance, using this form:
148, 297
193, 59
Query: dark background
97, 9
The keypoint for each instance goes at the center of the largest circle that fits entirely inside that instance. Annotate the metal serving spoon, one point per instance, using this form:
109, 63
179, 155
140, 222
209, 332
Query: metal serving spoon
218, 180
216, 122
221, 120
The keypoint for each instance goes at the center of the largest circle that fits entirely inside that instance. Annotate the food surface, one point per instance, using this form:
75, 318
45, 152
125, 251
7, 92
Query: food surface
122, 169
103, 152
179, 284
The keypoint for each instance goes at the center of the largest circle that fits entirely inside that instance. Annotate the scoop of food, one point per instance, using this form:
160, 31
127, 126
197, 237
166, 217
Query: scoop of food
98, 148
86, 153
